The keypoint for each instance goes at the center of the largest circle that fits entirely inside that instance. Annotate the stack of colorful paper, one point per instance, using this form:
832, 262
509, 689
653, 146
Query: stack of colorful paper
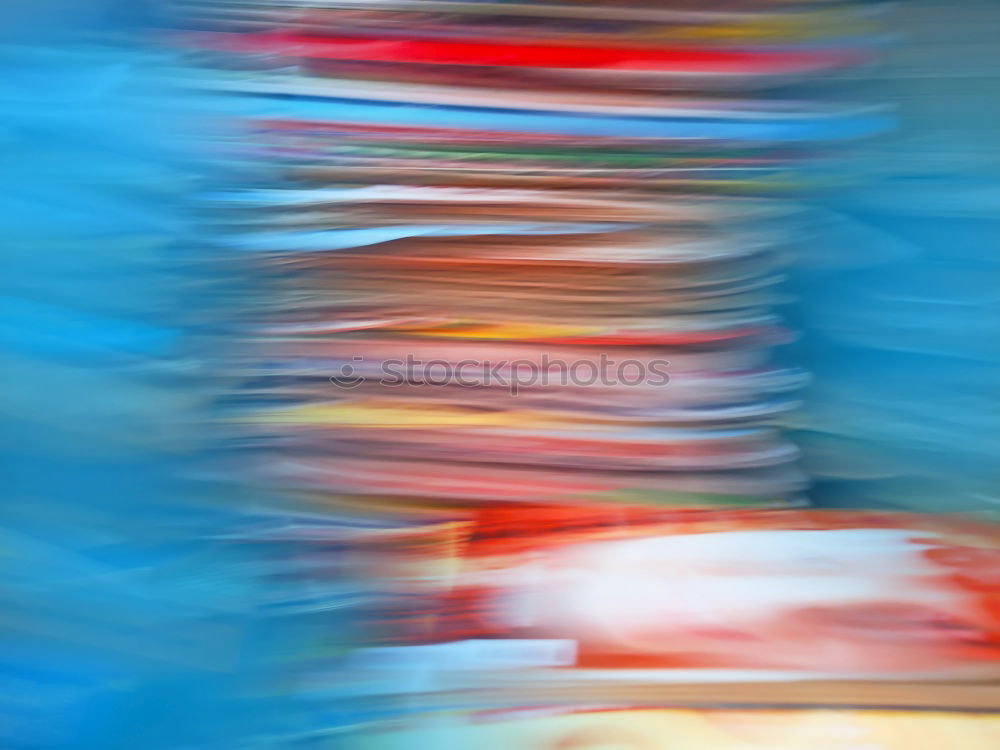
532, 252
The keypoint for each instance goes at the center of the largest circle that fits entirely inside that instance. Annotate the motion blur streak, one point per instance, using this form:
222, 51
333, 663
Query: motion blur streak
538, 374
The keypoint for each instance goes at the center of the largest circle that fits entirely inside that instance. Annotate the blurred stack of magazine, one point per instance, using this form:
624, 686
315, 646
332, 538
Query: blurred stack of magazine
534, 271
514, 380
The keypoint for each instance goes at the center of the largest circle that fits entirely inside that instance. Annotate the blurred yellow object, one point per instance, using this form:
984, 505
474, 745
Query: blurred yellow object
387, 413
789, 27
504, 331
679, 729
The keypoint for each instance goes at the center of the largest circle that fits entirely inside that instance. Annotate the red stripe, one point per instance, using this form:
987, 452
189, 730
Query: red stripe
680, 59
